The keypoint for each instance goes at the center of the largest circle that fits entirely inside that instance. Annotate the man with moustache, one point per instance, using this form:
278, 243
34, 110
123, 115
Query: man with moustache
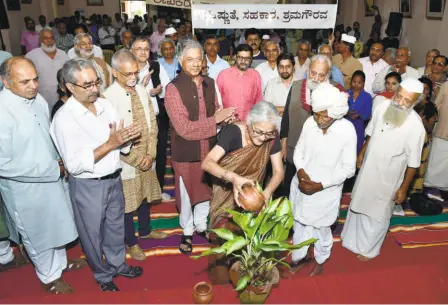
302, 59
325, 156
29, 39
194, 112
402, 59
31, 174
388, 160
89, 135
336, 74
48, 60
253, 39
215, 63
372, 65
268, 69
298, 109
97, 51
84, 49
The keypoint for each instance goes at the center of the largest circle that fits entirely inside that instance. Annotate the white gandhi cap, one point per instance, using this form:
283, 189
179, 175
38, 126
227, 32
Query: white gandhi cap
348, 38
412, 85
170, 31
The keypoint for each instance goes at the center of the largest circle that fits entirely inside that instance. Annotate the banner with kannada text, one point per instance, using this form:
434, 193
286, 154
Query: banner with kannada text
264, 16
184, 4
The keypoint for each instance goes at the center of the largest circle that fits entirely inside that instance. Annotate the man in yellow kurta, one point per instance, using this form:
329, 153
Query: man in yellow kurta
140, 184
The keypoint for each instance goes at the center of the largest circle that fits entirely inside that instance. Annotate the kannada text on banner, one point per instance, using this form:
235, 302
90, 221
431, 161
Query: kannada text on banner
185, 4
264, 16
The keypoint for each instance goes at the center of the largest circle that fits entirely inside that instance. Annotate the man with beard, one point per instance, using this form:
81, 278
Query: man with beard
30, 38
215, 63
372, 65
277, 89
31, 176
84, 49
97, 51
194, 112
268, 69
48, 60
253, 39
89, 135
388, 160
298, 109
240, 86
336, 74
402, 59
325, 156
345, 60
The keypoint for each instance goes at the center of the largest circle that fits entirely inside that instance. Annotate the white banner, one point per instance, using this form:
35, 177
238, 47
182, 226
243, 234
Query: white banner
171, 3
264, 16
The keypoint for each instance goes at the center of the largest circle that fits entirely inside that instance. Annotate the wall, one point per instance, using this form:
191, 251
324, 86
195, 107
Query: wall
110, 7
419, 33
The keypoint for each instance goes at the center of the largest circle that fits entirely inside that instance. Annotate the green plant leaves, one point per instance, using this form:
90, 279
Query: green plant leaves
243, 282
241, 219
211, 251
224, 233
235, 244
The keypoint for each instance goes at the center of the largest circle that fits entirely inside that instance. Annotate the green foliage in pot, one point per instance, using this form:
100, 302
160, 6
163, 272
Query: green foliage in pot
265, 235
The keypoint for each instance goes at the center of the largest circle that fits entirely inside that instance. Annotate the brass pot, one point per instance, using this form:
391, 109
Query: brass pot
202, 293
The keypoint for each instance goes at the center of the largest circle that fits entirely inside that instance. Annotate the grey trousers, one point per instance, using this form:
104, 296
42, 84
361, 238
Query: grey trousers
98, 207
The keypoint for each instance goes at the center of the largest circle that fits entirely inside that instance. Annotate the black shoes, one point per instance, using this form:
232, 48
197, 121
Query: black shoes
110, 286
132, 272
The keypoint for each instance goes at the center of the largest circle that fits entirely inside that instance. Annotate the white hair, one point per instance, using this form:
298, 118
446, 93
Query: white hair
264, 112
165, 40
120, 57
75, 65
273, 43
406, 47
322, 59
79, 36
324, 45
190, 45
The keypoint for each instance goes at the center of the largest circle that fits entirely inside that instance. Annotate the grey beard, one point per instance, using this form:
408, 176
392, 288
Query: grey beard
311, 85
395, 116
48, 49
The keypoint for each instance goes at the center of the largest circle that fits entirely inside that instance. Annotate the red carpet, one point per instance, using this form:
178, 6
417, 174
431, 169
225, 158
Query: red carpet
396, 276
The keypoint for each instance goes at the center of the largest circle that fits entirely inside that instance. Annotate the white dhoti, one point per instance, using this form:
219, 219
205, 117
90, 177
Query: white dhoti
6, 253
322, 247
50, 263
437, 171
364, 235
192, 218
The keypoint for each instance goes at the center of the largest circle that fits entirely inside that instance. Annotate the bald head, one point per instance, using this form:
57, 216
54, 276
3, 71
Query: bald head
20, 77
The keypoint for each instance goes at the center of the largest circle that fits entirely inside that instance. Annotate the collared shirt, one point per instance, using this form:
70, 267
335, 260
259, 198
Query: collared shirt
170, 69
97, 52
30, 40
155, 39
164, 80
276, 92
77, 132
301, 70
3, 56
107, 37
216, 67
441, 128
266, 73
347, 67
47, 70
371, 71
328, 158
65, 42
241, 91
40, 28
379, 83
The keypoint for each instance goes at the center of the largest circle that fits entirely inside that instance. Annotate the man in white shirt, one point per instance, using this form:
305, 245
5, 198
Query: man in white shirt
107, 36
42, 24
48, 60
325, 157
302, 59
277, 89
89, 136
389, 161
372, 65
154, 78
215, 64
268, 69
402, 59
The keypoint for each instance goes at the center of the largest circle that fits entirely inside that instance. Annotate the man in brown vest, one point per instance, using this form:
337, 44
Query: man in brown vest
298, 109
192, 107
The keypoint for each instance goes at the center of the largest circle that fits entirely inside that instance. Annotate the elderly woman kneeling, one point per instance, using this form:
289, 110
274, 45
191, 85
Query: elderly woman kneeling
241, 156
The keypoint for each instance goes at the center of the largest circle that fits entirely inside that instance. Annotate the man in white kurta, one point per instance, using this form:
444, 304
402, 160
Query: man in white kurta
30, 176
325, 157
390, 158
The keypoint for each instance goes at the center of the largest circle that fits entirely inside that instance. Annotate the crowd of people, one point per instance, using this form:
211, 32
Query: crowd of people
84, 138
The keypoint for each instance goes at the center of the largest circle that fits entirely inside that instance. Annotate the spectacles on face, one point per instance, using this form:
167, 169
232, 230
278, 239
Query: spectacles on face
258, 133
438, 63
89, 87
129, 74
146, 50
240, 58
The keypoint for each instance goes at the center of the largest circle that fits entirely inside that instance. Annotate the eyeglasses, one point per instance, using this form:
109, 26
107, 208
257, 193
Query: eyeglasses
146, 50
258, 133
129, 74
240, 58
438, 63
89, 87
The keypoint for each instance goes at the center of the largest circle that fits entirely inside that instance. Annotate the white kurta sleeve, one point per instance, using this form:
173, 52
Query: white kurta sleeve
414, 147
378, 84
347, 166
164, 80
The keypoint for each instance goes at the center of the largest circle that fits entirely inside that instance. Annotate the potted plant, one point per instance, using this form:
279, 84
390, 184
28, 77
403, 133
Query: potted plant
256, 250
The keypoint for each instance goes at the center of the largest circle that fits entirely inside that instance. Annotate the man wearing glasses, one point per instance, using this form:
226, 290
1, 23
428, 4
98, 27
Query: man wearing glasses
437, 75
240, 86
89, 135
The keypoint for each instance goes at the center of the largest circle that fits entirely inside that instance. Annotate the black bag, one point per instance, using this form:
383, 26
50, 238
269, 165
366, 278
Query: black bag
423, 205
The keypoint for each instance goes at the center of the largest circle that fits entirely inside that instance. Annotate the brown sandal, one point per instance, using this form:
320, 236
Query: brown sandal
58, 286
136, 253
75, 264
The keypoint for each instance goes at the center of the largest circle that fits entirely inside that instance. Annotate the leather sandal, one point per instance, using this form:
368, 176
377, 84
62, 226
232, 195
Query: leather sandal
155, 235
75, 264
136, 253
187, 242
58, 286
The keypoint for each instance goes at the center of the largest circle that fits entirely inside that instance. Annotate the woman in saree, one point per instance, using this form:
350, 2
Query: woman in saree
241, 156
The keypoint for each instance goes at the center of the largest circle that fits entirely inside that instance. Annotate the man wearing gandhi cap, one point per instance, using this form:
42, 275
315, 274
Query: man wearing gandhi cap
388, 160
345, 60
325, 157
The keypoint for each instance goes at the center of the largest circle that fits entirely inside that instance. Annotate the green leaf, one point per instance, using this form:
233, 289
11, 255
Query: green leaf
271, 242
224, 233
236, 244
273, 205
270, 248
243, 282
267, 226
258, 186
285, 208
211, 251
303, 244
241, 219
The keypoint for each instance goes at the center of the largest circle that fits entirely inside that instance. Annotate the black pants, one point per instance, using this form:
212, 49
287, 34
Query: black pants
163, 123
108, 47
143, 224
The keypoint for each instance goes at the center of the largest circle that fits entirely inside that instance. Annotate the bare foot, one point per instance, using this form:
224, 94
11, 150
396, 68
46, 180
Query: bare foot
362, 258
318, 269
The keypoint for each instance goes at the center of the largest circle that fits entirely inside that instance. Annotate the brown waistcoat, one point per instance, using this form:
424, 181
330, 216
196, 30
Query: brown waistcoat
183, 150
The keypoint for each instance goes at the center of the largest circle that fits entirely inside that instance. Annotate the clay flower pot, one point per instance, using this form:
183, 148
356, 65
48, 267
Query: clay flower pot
254, 200
202, 293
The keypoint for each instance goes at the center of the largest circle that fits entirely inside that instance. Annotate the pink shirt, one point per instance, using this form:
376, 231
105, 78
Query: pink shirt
30, 40
241, 91
155, 39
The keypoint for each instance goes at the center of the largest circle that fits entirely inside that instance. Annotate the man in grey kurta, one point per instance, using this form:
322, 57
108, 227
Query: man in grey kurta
30, 176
